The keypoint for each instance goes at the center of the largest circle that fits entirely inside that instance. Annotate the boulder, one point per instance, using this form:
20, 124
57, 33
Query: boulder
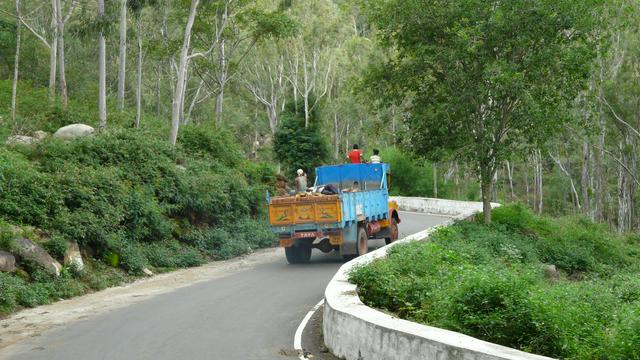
147, 272
40, 135
73, 131
21, 140
551, 272
73, 256
7, 262
28, 249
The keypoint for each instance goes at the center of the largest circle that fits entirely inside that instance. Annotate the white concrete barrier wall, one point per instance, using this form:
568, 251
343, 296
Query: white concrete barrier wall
354, 331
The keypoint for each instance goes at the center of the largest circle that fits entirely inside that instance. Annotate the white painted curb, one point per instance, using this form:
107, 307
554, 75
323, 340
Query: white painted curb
354, 331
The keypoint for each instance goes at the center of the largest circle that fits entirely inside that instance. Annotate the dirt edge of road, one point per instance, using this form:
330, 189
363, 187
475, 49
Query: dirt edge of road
33, 322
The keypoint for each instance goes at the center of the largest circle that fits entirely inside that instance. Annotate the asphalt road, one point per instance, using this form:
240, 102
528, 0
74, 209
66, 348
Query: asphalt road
249, 314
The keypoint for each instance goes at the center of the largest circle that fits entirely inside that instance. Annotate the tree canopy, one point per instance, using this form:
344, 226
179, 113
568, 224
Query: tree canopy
484, 79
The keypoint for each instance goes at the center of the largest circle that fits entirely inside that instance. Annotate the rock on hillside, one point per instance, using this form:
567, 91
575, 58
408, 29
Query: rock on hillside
28, 249
73, 257
21, 140
7, 262
73, 131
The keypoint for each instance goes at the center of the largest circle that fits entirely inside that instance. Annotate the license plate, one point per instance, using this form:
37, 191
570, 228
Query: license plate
308, 234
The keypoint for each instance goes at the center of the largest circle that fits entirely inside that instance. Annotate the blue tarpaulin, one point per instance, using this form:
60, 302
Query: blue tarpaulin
344, 175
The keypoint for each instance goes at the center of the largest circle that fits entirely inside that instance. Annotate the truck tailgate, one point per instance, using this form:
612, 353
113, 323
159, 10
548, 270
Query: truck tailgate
291, 210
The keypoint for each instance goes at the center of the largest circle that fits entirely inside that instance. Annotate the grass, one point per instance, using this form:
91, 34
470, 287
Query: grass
496, 283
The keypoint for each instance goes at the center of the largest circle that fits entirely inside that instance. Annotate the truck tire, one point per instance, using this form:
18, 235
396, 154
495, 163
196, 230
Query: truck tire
298, 254
394, 232
362, 246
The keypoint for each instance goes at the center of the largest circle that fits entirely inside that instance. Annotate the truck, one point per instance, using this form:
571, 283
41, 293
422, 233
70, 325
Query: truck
348, 205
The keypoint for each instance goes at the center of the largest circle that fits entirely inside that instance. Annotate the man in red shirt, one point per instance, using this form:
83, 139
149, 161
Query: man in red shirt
355, 155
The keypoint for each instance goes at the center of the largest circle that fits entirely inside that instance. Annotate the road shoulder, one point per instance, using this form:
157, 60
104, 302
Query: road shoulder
33, 322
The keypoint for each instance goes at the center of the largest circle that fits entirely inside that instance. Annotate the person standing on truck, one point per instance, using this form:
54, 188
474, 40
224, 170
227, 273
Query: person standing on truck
375, 158
355, 155
300, 182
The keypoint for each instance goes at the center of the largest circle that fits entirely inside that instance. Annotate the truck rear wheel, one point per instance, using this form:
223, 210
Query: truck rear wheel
298, 254
394, 232
363, 241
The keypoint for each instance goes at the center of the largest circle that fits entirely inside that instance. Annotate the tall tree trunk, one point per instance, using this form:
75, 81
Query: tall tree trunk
158, 92
222, 82
102, 75
434, 172
510, 175
61, 59
53, 55
584, 180
16, 63
122, 58
526, 184
336, 136
139, 77
182, 70
574, 192
601, 187
194, 101
486, 181
539, 185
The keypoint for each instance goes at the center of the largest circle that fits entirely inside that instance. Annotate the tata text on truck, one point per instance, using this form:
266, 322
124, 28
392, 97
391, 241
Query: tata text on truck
348, 206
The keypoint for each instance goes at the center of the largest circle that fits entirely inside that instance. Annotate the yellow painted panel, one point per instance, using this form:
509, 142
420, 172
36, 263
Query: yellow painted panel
281, 214
328, 212
304, 213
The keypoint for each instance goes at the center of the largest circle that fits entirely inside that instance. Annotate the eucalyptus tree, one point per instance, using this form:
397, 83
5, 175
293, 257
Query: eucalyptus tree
102, 75
311, 54
488, 79
122, 57
16, 63
181, 72
41, 22
137, 6
230, 30
61, 18
263, 77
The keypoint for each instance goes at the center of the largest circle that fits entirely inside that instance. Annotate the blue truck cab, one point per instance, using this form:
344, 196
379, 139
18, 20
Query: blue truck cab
348, 205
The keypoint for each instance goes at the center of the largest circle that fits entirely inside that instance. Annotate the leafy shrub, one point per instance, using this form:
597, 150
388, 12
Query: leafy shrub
171, 254
298, 145
489, 282
493, 304
144, 219
56, 247
130, 255
211, 142
26, 195
131, 199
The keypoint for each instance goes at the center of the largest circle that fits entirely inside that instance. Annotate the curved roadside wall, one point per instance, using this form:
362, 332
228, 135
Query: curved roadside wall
354, 331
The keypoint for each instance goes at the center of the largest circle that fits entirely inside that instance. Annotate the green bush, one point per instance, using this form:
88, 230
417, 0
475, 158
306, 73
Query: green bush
171, 254
300, 145
209, 142
26, 195
130, 199
56, 247
489, 282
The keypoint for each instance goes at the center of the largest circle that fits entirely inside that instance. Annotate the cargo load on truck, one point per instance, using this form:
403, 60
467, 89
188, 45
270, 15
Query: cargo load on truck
348, 205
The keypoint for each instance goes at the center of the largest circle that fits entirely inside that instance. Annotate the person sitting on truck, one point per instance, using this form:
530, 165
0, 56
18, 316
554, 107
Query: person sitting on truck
355, 155
375, 158
300, 182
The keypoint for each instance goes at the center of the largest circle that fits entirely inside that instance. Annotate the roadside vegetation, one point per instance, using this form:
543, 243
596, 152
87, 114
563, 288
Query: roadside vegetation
561, 287
130, 201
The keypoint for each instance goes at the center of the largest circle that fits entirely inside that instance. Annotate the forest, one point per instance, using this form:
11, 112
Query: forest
527, 102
